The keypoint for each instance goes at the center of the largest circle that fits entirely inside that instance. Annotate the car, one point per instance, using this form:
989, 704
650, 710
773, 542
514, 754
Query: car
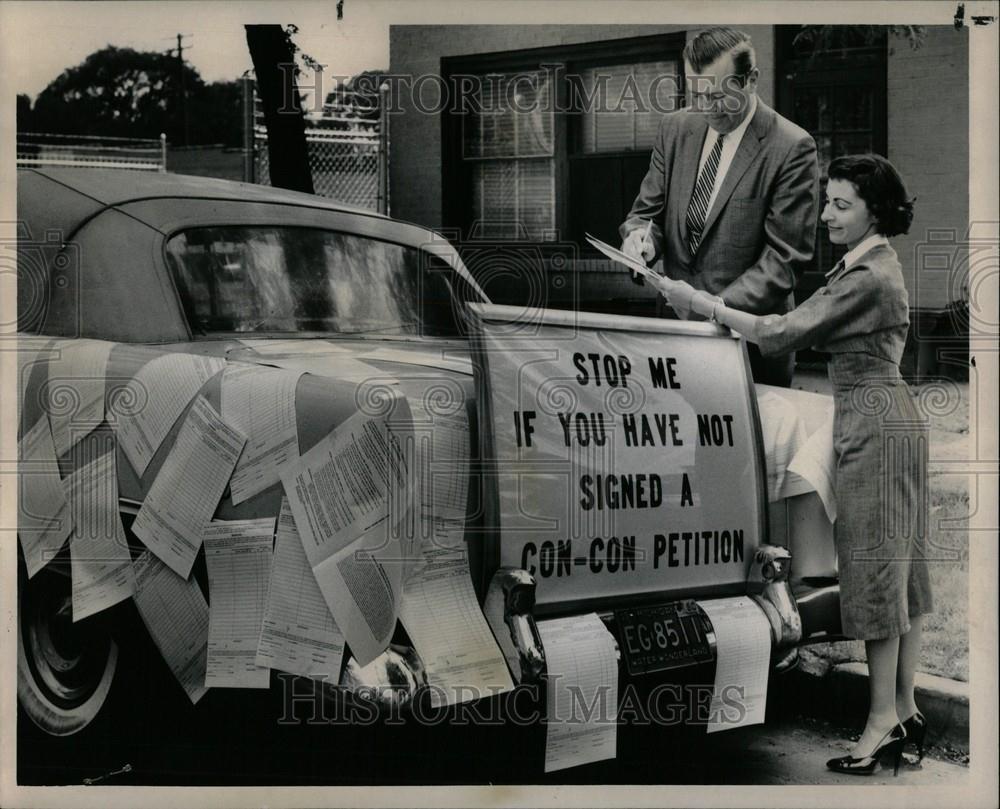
240, 276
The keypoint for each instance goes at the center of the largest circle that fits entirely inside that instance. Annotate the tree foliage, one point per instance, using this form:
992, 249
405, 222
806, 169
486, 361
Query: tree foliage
121, 92
841, 37
360, 96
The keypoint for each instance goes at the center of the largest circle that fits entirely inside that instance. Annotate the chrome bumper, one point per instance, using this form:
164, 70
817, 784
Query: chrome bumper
767, 584
395, 677
511, 598
508, 609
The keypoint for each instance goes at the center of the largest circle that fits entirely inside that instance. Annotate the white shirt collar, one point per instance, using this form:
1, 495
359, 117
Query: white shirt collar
852, 256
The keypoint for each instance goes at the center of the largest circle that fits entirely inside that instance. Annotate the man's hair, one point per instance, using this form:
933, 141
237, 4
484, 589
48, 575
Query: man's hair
712, 43
880, 186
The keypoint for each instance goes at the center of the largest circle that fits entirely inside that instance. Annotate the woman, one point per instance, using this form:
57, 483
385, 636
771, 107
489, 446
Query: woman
861, 318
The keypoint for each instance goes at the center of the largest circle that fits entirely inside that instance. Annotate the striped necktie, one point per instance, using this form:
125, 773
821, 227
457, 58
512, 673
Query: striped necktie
697, 211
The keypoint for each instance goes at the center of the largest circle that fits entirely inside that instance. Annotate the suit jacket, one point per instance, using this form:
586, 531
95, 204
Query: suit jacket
761, 229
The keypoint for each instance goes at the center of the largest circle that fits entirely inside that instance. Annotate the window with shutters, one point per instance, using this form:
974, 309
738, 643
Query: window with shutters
554, 142
619, 107
622, 105
508, 147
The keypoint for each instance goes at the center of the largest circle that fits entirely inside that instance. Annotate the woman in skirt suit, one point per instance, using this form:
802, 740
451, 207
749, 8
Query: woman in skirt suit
861, 318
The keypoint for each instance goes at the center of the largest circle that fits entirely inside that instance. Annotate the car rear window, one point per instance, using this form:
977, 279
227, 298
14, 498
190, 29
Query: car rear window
294, 279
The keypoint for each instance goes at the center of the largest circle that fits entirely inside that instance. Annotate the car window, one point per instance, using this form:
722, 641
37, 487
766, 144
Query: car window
294, 279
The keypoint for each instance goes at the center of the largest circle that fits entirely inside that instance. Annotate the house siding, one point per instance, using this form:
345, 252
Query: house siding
928, 128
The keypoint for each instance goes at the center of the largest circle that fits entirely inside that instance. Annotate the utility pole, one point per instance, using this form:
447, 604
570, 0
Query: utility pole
182, 88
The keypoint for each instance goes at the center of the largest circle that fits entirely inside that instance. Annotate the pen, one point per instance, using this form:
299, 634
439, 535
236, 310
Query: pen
646, 232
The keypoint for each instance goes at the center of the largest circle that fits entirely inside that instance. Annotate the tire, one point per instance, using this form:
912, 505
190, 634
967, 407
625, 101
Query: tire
64, 670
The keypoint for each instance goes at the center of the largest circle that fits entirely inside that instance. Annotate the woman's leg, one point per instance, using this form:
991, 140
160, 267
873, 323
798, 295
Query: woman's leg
906, 668
882, 657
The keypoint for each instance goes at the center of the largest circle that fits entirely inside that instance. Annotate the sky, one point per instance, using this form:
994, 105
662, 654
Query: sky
50, 37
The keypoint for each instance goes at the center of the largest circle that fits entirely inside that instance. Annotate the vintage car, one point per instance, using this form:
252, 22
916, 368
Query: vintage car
158, 264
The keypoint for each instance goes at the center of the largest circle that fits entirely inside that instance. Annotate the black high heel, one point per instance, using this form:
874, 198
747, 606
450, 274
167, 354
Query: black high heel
916, 733
891, 745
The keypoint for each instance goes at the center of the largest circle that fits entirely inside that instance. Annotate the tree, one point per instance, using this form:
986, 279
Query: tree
273, 56
361, 95
839, 37
118, 92
24, 113
216, 114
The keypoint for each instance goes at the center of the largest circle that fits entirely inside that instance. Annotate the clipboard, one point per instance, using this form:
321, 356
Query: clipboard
617, 255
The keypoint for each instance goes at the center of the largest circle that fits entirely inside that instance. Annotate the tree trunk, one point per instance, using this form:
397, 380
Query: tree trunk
273, 62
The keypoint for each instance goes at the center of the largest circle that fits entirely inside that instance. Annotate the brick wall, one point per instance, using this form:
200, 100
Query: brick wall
415, 152
928, 123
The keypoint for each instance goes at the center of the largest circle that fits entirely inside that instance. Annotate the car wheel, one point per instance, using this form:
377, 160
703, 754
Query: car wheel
64, 670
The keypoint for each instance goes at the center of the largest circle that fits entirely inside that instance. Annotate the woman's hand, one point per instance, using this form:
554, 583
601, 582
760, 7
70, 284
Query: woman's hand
677, 293
704, 304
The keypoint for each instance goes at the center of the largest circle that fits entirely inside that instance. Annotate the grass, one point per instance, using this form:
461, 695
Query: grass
946, 631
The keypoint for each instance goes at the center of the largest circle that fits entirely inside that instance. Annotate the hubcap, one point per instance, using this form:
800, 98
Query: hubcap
64, 669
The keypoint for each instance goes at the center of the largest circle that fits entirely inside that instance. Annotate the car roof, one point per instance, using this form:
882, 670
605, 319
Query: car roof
97, 190
107, 219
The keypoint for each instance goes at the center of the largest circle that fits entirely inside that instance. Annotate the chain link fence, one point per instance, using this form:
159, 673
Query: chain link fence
41, 149
348, 148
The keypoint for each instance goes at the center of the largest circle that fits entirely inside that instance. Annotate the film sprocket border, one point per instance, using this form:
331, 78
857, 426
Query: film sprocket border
41, 266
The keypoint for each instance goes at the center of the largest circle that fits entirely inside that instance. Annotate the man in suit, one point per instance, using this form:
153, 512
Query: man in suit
731, 195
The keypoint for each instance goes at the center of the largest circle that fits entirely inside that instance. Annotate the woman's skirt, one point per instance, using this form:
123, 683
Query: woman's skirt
881, 443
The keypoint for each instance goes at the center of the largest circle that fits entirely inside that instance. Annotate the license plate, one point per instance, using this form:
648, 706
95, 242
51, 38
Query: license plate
665, 636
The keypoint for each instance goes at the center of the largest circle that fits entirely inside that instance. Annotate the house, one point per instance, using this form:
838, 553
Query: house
515, 140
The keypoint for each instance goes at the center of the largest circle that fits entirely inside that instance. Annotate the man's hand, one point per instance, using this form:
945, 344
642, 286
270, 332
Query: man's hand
639, 246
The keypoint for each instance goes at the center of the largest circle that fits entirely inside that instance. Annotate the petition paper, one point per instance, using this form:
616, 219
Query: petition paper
77, 371
439, 607
187, 489
43, 514
437, 449
31, 352
296, 345
161, 390
328, 364
442, 617
260, 402
582, 672
176, 615
101, 566
743, 649
346, 495
298, 634
238, 556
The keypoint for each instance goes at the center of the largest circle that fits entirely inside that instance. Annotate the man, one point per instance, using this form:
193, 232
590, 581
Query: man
731, 195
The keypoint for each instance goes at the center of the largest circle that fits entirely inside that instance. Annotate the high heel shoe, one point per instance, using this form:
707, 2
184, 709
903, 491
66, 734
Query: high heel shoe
916, 733
891, 745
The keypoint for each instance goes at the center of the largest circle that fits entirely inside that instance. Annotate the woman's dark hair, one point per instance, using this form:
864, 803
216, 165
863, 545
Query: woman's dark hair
880, 186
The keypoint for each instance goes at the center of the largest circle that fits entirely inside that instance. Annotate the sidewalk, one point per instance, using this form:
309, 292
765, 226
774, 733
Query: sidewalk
841, 696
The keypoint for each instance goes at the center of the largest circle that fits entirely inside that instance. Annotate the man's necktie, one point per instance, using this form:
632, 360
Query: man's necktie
697, 211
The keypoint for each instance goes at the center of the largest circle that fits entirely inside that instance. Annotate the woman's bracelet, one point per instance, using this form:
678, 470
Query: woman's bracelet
715, 310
